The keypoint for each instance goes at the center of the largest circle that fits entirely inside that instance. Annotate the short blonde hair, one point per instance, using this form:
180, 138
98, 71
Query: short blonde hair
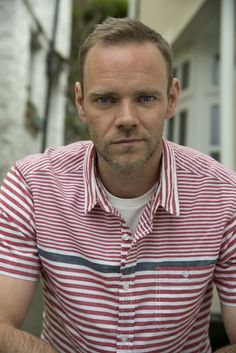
115, 31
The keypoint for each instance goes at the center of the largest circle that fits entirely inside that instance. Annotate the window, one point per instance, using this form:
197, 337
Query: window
171, 129
177, 128
182, 127
185, 74
216, 70
215, 155
215, 131
215, 125
182, 71
175, 72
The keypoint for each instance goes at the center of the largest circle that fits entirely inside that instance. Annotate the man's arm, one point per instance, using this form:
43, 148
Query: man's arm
15, 298
228, 349
229, 319
14, 340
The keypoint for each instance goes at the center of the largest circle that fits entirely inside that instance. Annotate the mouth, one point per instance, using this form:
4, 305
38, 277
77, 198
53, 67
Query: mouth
128, 141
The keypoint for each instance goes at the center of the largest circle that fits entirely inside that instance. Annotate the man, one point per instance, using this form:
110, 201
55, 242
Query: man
130, 232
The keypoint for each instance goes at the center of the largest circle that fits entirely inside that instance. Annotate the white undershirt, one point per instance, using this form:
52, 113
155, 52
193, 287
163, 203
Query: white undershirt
130, 209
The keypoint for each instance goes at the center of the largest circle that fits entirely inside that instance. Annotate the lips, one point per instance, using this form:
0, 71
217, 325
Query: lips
128, 141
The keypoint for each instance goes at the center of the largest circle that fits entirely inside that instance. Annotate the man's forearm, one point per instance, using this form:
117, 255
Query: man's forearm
228, 349
13, 340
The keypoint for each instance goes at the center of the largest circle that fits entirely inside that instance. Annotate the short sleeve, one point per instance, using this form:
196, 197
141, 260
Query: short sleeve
18, 246
225, 271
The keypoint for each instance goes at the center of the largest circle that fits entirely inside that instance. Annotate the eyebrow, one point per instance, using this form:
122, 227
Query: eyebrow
96, 94
149, 92
142, 92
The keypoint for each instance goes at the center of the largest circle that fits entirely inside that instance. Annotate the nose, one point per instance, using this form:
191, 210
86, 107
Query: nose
127, 114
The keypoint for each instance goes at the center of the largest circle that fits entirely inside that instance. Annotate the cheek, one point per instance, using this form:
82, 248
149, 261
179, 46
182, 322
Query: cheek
154, 122
96, 130
100, 124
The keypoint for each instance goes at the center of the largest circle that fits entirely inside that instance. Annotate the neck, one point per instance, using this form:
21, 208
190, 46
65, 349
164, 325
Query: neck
132, 184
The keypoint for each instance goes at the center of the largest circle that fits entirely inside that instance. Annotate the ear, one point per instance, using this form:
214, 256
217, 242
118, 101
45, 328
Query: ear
79, 102
173, 98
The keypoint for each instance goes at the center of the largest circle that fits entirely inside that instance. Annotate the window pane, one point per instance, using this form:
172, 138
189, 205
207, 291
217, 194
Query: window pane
182, 127
215, 155
185, 74
171, 129
216, 70
215, 125
175, 72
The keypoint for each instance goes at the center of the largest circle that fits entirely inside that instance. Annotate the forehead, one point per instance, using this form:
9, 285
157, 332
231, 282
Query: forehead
131, 60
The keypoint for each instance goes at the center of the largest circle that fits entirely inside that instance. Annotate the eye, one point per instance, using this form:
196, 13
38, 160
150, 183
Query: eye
146, 99
105, 100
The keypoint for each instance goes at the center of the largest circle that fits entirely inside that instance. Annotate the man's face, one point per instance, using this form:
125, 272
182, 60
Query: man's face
124, 102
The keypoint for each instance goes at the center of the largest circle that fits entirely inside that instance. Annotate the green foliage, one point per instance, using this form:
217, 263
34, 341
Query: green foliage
86, 14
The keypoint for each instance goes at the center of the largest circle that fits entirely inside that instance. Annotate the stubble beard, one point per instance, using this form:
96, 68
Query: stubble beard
126, 168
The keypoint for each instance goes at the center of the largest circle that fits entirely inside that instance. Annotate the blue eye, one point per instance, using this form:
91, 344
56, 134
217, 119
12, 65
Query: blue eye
105, 100
147, 99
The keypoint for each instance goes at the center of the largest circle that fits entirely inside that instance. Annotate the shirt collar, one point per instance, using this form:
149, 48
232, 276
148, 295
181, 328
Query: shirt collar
89, 178
168, 192
165, 196
94, 193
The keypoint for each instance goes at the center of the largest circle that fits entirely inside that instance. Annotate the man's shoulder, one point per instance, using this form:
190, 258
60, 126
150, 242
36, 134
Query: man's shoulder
61, 159
191, 161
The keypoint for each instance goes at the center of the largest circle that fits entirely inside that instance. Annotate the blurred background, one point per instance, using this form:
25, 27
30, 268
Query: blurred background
39, 42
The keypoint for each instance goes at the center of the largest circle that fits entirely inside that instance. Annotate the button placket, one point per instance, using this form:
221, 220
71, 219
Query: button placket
126, 314
126, 240
126, 310
126, 286
125, 237
124, 338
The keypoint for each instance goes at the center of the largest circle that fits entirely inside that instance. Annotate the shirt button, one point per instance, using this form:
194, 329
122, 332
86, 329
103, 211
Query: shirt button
185, 274
124, 339
126, 286
125, 236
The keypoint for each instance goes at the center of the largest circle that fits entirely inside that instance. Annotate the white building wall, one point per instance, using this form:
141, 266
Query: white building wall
64, 27
56, 124
197, 23
12, 76
18, 72
227, 50
170, 17
201, 94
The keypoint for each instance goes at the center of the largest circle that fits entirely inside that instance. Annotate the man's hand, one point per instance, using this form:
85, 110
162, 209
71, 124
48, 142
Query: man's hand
228, 349
13, 340
229, 319
15, 298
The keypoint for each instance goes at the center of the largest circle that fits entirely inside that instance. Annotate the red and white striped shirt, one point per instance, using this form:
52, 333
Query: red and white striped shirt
105, 289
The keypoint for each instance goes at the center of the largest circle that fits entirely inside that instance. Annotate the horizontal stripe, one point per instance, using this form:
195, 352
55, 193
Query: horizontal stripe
76, 260
144, 266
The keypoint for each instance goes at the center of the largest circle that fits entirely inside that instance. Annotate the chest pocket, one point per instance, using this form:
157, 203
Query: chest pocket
182, 294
